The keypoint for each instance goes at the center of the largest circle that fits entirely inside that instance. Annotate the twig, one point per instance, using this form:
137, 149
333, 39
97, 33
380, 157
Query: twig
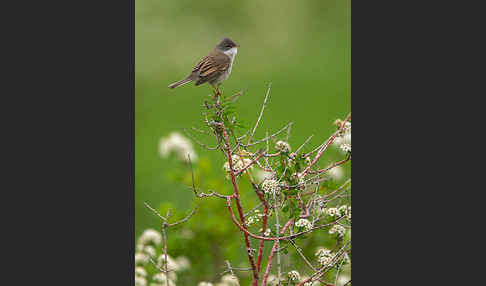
269, 137
199, 143
298, 149
302, 254
165, 254
261, 114
231, 270
156, 212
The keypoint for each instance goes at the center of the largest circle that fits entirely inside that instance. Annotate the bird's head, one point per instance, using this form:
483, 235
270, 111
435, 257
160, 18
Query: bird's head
227, 44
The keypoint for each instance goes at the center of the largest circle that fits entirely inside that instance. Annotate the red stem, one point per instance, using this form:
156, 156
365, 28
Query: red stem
272, 252
238, 205
325, 146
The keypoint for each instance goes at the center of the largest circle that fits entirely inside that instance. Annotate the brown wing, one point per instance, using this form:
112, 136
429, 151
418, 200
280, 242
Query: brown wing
211, 67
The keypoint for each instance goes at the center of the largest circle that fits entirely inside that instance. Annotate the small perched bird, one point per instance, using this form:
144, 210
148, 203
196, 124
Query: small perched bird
214, 68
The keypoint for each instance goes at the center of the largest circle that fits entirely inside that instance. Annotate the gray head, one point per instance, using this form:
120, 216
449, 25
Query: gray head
226, 44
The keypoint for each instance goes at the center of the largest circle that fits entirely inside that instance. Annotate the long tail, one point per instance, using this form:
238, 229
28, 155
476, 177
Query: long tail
181, 82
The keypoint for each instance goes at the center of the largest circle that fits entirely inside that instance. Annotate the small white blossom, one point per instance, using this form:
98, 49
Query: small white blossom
294, 276
336, 173
252, 219
140, 271
272, 280
339, 229
183, 263
179, 145
229, 280
282, 146
343, 209
344, 137
304, 223
141, 258
203, 283
238, 162
270, 186
140, 281
246, 162
333, 212
160, 278
267, 232
171, 265
308, 160
345, 147
150, 236
149, 250
324, 256
342, 280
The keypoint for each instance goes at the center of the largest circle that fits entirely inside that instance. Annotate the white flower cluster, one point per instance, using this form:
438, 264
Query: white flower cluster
294, 276
171, 263
339, 229
140, 276
238, 162
336, 173
229, 280
282, 146
343, 280
345, 148
179, 145
343, 140
308, 160
255, 218
272, 280
271, 186
145, 249
161, 280
150, 236
183, 263
345, 210
267, 232
145, 246
324, 256
140, 281
333, 212
304, 223
226, 280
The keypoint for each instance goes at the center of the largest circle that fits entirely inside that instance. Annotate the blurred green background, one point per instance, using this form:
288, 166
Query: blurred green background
298, 46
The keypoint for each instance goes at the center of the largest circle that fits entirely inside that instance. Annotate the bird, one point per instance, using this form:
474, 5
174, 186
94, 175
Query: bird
214, 68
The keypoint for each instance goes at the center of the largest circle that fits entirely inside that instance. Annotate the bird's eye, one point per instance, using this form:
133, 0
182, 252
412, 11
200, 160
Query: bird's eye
228, 45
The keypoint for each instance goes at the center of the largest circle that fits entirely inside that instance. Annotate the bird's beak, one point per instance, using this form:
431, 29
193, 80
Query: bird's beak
237, 45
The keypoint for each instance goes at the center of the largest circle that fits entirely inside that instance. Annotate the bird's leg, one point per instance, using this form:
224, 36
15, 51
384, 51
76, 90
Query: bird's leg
217, 94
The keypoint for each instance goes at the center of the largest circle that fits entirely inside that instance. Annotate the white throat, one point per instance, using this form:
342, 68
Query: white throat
231, 53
